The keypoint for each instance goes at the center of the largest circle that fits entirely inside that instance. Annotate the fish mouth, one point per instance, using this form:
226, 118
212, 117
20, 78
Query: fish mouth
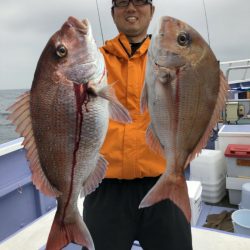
81, 26
171, 60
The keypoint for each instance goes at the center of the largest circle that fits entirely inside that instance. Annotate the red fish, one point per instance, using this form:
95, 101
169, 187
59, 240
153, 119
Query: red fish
64, 120
184, 91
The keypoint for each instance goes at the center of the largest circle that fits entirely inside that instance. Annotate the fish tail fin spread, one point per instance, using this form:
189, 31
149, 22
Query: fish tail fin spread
173, 187
61, 234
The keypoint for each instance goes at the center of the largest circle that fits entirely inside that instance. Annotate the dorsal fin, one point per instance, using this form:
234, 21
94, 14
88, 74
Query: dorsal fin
221, 100
20, 116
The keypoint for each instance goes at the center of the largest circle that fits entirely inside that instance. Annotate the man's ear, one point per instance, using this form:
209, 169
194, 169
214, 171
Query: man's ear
112, 12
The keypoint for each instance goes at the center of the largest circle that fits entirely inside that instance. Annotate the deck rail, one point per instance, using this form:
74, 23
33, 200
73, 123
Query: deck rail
240, 68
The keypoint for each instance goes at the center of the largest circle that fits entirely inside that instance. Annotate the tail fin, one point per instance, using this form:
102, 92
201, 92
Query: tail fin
61, 234
169, 187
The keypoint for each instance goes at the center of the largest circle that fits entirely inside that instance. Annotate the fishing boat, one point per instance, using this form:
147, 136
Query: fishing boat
26, 214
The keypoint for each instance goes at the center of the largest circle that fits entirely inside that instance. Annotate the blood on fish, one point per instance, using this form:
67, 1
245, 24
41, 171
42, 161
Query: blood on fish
177, 97
177, 102
82, 97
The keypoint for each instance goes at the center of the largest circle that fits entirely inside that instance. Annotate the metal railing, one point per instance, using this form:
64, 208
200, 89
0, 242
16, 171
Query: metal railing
238, 75
241, 66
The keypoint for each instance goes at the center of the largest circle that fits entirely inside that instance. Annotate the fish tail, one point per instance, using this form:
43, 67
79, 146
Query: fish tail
173, 187
62, 233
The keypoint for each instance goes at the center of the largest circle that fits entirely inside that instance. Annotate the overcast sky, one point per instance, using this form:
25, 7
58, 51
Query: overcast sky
27, 25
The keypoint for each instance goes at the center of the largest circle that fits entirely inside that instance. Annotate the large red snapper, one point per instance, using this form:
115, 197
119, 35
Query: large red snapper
184, 91
64, 119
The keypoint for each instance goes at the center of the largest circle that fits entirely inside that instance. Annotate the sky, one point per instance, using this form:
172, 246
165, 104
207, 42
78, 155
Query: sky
27, 25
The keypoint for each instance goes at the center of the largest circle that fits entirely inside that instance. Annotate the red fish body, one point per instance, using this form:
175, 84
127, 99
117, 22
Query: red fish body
184, 92
64, 120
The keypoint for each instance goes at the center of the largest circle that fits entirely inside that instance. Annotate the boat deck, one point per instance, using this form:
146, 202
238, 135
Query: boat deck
34, 236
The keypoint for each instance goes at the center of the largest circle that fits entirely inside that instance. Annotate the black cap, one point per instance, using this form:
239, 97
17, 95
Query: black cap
148, 0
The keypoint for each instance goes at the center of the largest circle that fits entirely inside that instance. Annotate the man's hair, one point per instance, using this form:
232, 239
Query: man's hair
114, 0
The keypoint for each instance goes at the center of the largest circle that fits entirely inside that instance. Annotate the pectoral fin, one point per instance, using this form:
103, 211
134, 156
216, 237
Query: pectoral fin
117, 111
154, 142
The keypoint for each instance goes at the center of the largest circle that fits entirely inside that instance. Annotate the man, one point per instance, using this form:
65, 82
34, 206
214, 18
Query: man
111, 212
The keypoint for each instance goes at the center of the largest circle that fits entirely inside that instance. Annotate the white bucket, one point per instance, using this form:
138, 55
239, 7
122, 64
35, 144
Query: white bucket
241, 221
245, 196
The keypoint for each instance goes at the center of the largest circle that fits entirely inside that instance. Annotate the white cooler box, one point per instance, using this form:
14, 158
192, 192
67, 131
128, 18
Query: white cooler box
194, 193
238, 160
233, 134
234, 186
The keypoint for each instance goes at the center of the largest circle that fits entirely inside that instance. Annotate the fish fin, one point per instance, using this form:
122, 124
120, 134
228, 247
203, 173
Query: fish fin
154, 142
95, 178
116, 110
144, 98
61, 234
20, 116
173, 187
221, 100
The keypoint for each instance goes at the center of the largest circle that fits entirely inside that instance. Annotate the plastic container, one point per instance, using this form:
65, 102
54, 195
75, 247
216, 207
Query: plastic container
214, 193
194, 193
216, 187
238, 160
233, 134
234, 186
245, 196
209, 167
213, 197
241, 221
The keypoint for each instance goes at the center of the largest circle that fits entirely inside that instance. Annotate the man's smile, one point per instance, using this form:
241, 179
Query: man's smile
131, 19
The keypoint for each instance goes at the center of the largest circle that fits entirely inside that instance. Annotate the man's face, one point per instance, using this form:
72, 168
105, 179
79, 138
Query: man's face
132, 20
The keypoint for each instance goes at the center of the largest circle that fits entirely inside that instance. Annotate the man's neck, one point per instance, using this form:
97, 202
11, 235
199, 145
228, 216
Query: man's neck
136, 39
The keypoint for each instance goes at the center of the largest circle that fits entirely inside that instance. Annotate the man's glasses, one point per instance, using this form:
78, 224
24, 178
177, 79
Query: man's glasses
125, 3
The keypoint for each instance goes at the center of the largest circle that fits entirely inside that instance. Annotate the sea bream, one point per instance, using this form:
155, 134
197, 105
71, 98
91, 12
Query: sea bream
64, 120
184, 92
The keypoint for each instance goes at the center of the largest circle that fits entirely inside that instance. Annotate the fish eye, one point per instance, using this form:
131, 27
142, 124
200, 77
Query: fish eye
183, 39
61, 51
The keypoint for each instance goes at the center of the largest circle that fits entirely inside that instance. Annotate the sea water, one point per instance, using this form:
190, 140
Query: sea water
7, 98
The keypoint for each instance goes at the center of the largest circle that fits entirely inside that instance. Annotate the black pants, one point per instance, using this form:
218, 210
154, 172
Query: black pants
114, 220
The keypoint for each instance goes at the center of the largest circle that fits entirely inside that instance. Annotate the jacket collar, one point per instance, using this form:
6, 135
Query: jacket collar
120, 47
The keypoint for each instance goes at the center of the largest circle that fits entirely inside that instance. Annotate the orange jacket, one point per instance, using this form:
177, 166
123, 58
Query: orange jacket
125, 146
